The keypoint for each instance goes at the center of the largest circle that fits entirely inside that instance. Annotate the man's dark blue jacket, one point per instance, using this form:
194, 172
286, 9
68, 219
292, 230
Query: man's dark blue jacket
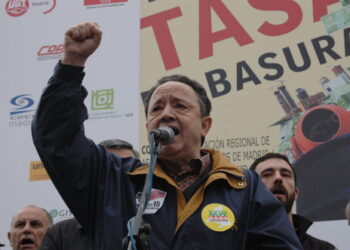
231, 209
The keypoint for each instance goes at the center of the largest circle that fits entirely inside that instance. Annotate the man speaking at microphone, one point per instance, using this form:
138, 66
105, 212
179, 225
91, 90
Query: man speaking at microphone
199, 199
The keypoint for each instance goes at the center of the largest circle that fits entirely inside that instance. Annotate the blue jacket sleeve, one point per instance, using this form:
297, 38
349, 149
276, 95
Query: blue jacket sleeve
88, 178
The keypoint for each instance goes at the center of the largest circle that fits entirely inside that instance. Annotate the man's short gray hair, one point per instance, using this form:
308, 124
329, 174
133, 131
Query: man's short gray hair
119, 144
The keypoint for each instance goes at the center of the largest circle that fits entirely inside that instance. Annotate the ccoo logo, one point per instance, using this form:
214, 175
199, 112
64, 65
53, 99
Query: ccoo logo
17, 8
48, 50
22, 104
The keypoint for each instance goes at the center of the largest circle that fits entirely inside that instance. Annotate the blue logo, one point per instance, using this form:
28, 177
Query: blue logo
22, 104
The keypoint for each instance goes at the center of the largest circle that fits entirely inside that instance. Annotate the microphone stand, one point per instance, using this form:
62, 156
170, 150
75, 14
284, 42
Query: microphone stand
136, 228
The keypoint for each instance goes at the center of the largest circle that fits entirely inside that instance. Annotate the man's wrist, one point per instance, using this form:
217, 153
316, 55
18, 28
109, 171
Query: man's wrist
69, 72
74, 61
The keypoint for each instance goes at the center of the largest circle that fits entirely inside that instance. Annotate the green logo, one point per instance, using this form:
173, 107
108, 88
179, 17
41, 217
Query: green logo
217, 213
102, 99
54, 213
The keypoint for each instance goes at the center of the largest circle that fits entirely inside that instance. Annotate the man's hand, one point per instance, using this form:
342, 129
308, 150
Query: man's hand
80, 42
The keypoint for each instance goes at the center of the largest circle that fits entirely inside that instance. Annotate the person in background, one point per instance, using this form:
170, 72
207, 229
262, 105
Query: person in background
347, 212
28, 227
278, 175
199, 200
119, 147
69, 234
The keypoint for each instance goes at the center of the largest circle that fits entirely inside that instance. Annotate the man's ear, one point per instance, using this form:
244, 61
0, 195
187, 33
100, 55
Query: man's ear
296, 193
9, 237
206, 125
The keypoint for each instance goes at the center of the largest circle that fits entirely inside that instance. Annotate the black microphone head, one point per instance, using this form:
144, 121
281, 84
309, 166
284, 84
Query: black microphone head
163, 135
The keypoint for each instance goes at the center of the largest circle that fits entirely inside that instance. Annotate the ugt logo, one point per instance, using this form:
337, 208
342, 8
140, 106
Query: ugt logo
22, 104
102, 99
17, 8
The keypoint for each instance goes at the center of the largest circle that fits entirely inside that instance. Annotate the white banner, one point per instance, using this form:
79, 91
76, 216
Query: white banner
32, 35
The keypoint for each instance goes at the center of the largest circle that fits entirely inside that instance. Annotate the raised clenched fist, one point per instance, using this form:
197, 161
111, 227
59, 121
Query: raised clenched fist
80, 42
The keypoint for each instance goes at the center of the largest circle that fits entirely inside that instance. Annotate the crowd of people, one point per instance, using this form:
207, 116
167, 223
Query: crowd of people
198, 200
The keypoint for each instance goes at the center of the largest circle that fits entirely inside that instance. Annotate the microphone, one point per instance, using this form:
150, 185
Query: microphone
163, 135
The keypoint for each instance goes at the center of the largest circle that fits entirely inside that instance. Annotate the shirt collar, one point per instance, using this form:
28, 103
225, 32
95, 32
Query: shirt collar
194, 166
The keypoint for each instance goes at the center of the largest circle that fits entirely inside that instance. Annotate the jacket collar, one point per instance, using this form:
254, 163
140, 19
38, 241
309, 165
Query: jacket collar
301, 224
222, 168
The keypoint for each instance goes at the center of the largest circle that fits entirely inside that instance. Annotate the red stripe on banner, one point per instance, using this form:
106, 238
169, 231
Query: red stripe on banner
96, 2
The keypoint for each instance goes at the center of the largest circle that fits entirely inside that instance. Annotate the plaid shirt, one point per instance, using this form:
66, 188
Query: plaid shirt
190, 172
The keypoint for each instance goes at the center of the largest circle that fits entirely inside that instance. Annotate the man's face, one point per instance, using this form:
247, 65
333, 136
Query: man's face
176, 105
278, 177
122, 152
28, 228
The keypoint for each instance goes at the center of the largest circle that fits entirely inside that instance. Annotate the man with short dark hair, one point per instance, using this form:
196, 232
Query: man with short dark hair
199, 200
28, 227
279, 176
